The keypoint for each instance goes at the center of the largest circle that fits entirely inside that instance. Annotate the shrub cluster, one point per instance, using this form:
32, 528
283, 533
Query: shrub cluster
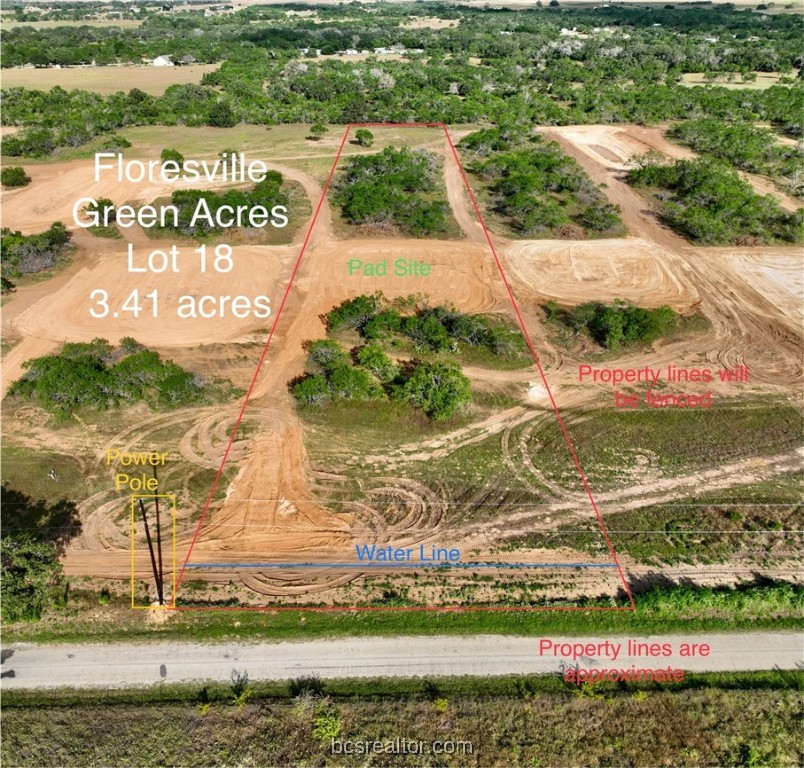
14, 176
28, 254
537, 188
618, 324
267, 193
709, 203
96, 375
384, 190
434, 329
439, 389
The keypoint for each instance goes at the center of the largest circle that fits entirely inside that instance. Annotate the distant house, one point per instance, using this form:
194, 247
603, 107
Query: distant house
188, 58
215, 10
397, 49
163, 61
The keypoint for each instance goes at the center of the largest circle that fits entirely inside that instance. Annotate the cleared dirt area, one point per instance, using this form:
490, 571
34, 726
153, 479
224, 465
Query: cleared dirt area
617, 145
65, 317
430, 22
571, 272
277, 505
56, 187
779, 277
153, 80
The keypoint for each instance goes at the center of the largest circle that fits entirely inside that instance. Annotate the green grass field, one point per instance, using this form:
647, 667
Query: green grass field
724, 720
757, 524
672, 441
763, 80
617, 449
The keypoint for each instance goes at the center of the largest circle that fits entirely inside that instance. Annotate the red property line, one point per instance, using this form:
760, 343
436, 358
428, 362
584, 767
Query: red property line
260, 364
541, 373
535, 360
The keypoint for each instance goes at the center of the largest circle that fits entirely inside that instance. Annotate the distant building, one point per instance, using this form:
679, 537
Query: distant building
216, 10
188, 58
397, 49
163, 61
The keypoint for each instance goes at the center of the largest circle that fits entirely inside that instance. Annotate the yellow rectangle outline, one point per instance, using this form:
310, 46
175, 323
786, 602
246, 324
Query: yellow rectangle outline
134, 497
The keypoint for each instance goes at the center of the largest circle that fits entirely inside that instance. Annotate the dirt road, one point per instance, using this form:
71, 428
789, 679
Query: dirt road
125, 664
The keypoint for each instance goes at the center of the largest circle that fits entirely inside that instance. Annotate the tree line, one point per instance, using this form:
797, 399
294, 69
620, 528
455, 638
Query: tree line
618, 68
98, 376
747, 147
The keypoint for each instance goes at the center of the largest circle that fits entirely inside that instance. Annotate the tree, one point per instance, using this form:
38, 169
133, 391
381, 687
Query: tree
364, 137
221, 115
428, 332
354, 313
115, 142
311, 390
439, 389
31, 577
317, 130
103, 208
172, 155
349, 383
600, 218
14, 176
325, 353
382, 325
375, 360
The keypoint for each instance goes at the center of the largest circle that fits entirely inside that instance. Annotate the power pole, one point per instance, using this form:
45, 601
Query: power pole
157, 575
159, 539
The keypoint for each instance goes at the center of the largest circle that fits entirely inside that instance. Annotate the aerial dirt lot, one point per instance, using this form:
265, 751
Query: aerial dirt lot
273, 506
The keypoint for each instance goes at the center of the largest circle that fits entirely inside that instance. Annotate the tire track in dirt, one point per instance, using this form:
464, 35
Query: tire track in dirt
276, 508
